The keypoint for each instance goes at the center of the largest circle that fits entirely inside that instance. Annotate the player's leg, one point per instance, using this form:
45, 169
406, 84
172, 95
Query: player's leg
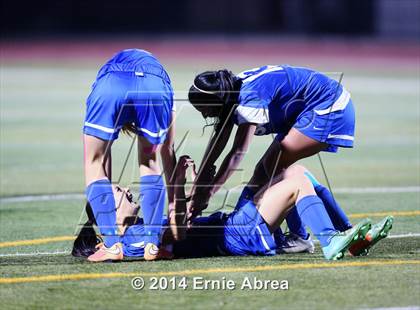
281, 197
338, 216
97, 157
298, 190
152, 190
294, 146
153, 114
279, 156
282, 154
126, 213
100, 129
98, 187
298, 240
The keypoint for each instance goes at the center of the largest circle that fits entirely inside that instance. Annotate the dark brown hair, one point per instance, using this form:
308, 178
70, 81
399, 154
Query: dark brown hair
87, 239
217, 88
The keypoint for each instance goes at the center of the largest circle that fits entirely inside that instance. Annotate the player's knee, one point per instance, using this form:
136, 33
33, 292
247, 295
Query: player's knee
305, 185
295, 170
288, 146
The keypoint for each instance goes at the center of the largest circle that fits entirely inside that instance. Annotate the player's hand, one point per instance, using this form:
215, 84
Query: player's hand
199, 202
181, 168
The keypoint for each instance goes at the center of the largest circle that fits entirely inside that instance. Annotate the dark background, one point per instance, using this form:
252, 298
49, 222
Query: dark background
381, 18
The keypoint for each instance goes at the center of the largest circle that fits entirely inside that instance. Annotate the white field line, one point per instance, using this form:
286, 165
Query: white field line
339, 190
400, 236
381, 86
394, 308
35, 254
409, 235
31, 198
67, 252
376, 190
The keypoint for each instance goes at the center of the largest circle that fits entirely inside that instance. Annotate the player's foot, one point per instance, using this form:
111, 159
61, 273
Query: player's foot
378, 232
114, 253
295, 244
342, 241
152, 252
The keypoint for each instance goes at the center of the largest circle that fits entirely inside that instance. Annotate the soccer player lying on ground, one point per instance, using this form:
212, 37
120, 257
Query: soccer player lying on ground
253, 228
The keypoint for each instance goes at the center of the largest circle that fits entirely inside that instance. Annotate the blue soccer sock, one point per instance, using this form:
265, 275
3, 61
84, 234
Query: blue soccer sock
101, 199
152, 203
312, 212
338, 217
279, 237
295, 224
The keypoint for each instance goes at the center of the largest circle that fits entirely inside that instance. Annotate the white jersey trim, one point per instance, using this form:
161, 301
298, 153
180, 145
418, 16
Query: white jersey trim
153, 134
263, 239
344, 137
102, 128
339, 105
250, 78
252, 115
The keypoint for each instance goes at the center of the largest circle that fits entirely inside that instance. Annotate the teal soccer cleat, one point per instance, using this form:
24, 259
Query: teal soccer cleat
342, 241
378, 232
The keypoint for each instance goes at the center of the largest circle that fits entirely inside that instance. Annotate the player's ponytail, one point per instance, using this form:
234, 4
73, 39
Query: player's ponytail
217, 88
87, 240
129, 129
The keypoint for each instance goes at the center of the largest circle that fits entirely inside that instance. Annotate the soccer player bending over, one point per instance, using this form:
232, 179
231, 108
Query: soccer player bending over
308, 111
132, 92
253, 228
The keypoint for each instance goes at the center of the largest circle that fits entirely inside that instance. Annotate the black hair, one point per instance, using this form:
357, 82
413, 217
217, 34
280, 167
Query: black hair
217, 88
129, 129
87, 240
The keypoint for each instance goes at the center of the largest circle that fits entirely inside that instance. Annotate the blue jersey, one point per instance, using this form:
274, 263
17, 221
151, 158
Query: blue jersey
277, 98
133, 238
205, 238
242, 232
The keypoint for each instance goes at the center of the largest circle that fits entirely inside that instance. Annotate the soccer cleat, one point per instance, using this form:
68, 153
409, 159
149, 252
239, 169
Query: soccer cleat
295, 244
152, 252
103, 254
340, 242
378, 232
